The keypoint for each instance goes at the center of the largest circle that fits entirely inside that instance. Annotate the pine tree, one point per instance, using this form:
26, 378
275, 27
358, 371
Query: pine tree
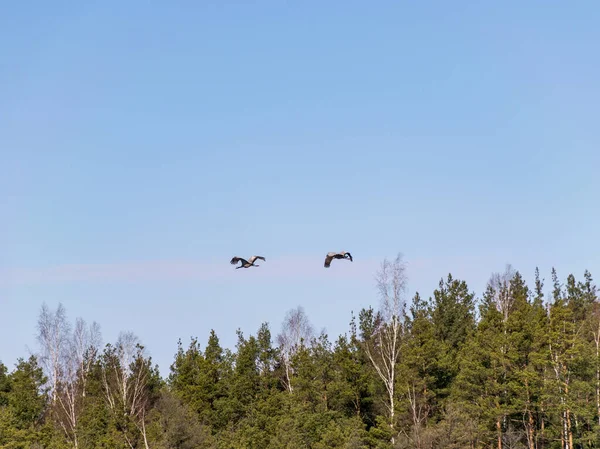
480, 386
24, 399
565, 353
419, 372
580, 300
351, 389
4, 385
453, 322
527, 356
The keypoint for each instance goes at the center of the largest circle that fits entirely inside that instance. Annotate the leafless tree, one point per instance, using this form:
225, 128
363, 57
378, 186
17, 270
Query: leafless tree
53, 337
80, 354
125, 376
85, 344
503, 297
67, 358
383, 346
419, 411
296, 331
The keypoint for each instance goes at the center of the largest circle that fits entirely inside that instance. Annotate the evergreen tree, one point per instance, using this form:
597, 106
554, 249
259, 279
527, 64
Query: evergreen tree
23, 404
352, 387
196, 378
453, 321
565, 351
4, 385
480, 386
27, 398
527, 355
419, 372
525, 374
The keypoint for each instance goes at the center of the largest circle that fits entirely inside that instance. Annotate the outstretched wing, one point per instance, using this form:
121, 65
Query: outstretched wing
340, 255
237, 259
253, 258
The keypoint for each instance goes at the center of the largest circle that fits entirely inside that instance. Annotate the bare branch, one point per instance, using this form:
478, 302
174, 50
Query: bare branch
296, 331
500, 284
53, 336
125, 378
67, 359
383, 347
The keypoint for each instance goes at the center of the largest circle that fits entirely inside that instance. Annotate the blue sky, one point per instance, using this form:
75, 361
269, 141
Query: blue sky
142, 146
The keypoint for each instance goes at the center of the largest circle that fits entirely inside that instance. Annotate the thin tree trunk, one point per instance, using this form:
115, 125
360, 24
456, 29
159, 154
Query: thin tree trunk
129, 442
562, 432
144, 433
417, 414
499, 429
530, 431
391, 393
287, 377
543, 410
529, 427
391, 281
542, 430
564, 435
569, 429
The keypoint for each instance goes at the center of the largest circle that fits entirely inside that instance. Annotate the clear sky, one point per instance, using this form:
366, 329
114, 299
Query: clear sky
142, 145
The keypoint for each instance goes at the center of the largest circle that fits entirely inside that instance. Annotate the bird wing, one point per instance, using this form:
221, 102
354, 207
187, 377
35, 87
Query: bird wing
253, 258
237, 259
328, 259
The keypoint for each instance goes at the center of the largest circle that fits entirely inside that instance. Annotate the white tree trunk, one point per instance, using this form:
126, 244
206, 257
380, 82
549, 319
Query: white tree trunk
67, 358
385, 353
296, 331
125, 382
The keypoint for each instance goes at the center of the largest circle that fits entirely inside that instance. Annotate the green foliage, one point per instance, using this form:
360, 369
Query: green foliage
453, 312
26, 398
523, 372
177, 426
22, 404
452, 321
4, 385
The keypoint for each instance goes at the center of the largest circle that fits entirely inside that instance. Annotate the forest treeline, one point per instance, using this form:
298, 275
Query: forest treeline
517, 367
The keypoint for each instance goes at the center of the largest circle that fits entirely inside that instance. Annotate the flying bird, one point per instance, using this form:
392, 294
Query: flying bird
246, 263
341, 255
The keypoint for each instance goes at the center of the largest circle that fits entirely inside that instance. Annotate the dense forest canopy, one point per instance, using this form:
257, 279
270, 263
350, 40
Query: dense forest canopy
516, 367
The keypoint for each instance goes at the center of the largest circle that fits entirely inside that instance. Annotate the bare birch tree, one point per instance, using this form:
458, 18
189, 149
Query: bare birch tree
503, 297
80, 354
383, 339
67, 358
53, 337
85, 345
296, 331
126, 377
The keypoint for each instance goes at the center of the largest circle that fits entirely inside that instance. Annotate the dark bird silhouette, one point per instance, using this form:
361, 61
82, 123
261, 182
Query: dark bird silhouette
341, 255
246, 263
